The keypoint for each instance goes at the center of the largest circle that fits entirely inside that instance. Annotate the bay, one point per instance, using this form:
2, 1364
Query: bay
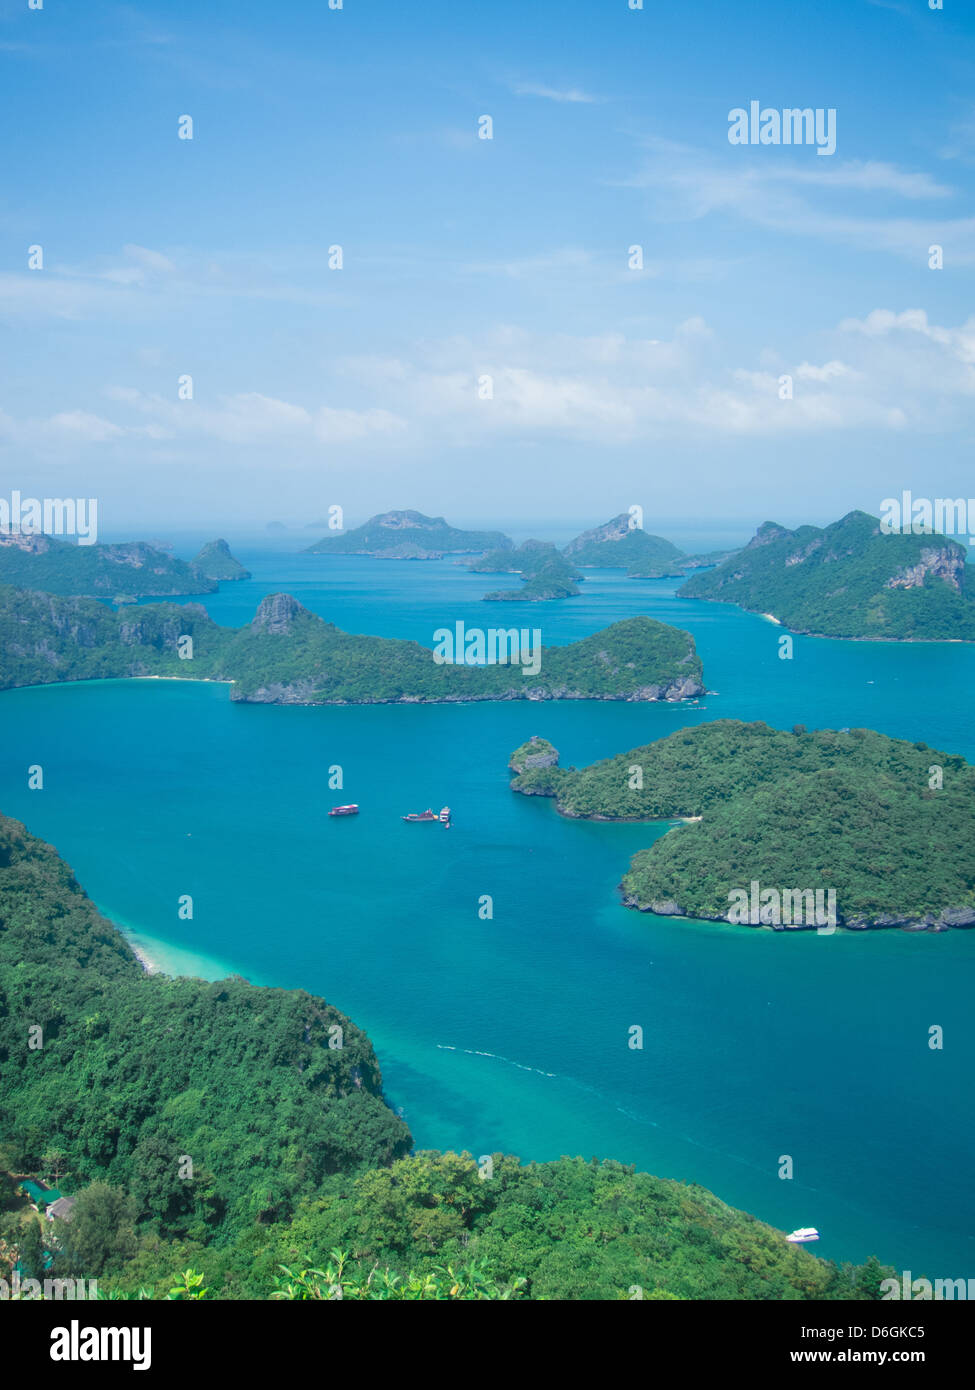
511, 1033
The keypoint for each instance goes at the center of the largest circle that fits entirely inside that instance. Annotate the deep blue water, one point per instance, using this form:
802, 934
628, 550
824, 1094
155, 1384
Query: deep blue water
512, 1033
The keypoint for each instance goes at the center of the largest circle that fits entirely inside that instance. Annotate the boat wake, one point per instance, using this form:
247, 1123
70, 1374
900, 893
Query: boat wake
496, 1057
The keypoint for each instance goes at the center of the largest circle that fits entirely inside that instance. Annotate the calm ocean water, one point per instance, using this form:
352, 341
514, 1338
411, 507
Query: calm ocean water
512, 1033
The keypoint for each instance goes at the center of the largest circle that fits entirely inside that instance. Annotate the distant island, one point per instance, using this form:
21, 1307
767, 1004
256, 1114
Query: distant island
276, 1098
618, 544
216, 562
849, 580
545, 571
133, 569
288, 655
886, 825
408, 535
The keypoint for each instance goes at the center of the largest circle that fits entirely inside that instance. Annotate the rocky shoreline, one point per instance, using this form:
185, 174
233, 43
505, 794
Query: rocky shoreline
945, 920
672, 693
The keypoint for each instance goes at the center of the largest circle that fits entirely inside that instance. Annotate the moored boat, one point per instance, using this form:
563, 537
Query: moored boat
426, 815
803, 1234
445, 815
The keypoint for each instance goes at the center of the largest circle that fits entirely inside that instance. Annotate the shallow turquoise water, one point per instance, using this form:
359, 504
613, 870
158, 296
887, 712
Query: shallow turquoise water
512, 1033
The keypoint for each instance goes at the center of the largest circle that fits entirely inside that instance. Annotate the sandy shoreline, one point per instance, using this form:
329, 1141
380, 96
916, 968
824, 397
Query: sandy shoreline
148, 965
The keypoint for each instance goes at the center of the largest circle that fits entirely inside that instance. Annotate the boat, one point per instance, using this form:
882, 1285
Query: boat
426, 815
351, 810
803, 1234
444, 815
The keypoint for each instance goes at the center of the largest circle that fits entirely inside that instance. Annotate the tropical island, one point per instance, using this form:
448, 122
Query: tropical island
216, 562
288, 655
849, 579
886, 825
408, 535
240, 1134
619, 544
545, 571
135, 569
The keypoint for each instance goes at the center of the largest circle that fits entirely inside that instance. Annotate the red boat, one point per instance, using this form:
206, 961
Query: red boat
352, 810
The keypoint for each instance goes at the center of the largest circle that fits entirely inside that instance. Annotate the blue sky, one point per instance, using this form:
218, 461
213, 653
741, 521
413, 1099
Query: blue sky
465, 257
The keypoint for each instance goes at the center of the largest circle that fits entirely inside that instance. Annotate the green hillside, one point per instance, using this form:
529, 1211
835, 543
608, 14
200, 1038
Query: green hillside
852, 811
132, 569
849, 580
287, 655
295, 1155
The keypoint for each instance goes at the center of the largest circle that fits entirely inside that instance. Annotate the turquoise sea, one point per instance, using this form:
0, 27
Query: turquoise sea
511, 1033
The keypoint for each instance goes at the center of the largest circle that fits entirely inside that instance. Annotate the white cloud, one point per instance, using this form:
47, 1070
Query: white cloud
83, 425
564, 94
611, 389
807, 371
872, 176
252, 418
345, 426
889, 371
773, 188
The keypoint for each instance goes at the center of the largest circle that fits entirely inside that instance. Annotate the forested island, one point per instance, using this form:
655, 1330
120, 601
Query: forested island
239, 1134
548, 573
132, 569
618, 544
408, 535
887, 825
216, 562
288, 655
849, 579
545, 571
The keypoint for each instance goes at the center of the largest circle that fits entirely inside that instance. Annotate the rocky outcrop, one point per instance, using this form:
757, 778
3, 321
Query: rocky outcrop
153, 631
939, 562
768, 532
930, 922
616, 530
537, 752
277, 693
278, 613
30, 542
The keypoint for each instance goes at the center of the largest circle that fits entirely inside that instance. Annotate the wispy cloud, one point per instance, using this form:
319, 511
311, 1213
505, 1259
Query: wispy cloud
540, 89
870, 176
140, 279
785, 196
